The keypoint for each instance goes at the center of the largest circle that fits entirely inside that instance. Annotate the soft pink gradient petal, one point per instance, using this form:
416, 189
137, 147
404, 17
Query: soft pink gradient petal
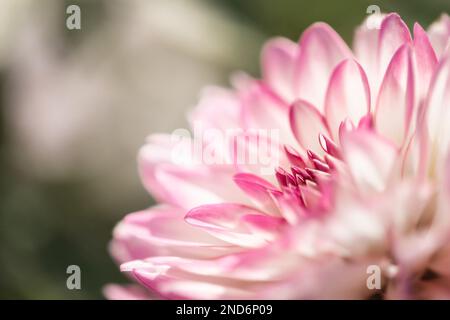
160, 172
395, 103
437, 115
365, 46
394, 33
321, 50
348, 95
259, 190
371, 160
439, 34
259, 97
425, 59
128, 292
236, 224
212, 100
278, 57
337, 163
162, 231
163, 276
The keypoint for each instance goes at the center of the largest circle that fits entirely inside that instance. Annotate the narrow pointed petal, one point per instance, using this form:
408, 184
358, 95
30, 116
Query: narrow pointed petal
348, 95
441, 220
294, 157
437, 115
329, 146
425, 60
289, 206
278, 58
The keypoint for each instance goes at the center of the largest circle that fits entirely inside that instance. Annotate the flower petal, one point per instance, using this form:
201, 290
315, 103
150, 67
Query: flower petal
348, 95
258, 189
439, 33
365, 45
394, 33
160, 171
278, 58
239, 276
258, 152
307, 124
264, 110
321, 50
235, 223
395, 103
438, 116
370, 159
214, 100
128, 292
425, 60
161, 231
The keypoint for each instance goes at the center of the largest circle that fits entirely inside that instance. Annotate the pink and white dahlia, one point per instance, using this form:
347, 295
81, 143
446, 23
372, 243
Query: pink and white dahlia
338, 165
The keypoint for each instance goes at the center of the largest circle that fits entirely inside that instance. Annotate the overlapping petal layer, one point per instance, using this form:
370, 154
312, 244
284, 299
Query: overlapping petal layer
357, 175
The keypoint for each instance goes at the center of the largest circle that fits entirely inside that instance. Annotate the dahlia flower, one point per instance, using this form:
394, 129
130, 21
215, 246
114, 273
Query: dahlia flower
358, 177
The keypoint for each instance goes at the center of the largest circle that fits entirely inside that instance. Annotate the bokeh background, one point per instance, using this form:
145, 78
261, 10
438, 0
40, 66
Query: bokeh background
75, 105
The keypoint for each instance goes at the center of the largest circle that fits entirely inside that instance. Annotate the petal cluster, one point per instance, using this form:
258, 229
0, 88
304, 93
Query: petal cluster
359, 176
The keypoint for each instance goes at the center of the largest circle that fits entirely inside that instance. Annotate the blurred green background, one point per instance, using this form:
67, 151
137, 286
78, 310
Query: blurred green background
77, 104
